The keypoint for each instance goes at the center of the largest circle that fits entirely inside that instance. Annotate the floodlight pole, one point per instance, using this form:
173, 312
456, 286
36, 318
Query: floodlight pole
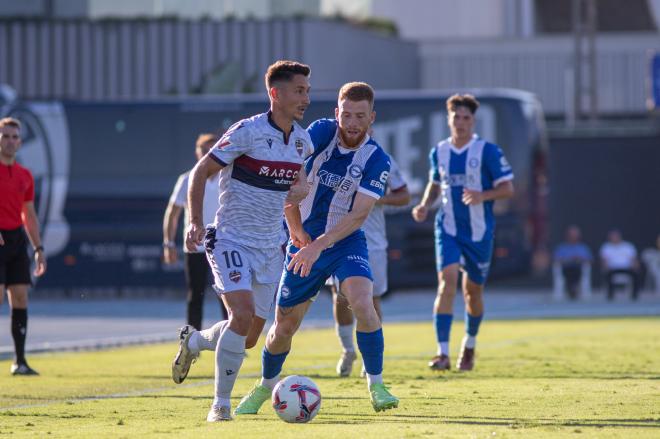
584, 20
577, 57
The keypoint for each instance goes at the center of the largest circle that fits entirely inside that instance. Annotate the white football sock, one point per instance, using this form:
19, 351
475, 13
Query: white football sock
443, 348
229, 356
345, 334
469, 341
207, 339
221, 402
371, 379
270, 383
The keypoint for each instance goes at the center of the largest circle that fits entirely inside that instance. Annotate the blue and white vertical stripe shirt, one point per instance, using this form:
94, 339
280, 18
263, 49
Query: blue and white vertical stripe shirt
336, 174
478, 166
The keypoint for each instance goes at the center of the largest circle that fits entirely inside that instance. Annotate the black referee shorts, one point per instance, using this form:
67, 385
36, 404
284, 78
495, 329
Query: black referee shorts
14, 259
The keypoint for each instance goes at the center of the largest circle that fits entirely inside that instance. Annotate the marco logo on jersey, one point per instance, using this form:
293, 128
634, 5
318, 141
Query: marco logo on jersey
285, 176
334, 181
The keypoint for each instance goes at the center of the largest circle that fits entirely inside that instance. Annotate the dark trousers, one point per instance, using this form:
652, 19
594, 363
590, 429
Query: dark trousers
572, 274
611, 285
196, 268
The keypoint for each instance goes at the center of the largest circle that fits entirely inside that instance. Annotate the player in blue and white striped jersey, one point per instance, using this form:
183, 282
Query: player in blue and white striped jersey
469, 174
347, 172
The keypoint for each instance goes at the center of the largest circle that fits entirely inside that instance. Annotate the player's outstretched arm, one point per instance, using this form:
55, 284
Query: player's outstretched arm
502, 191
31, 222
431, 193
204, 169
170, 224
299, 237
301, 263
299, 189
396, 197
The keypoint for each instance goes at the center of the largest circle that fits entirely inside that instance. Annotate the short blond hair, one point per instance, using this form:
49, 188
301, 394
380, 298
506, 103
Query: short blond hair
357, 91
10, 122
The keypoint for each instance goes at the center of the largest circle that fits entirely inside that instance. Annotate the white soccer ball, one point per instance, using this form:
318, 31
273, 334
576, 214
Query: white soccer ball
296, 399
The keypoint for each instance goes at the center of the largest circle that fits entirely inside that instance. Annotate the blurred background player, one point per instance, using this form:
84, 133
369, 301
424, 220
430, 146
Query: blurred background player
196, 266
572, 265
348, 172
258, 159
469, 174
374, 229
619, 260
17, 216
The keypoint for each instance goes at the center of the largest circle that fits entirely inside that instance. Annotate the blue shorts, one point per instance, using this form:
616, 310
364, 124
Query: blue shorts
474, 257
345, 259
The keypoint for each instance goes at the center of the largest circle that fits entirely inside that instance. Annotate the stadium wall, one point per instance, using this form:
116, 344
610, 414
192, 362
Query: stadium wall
543, 65
606, 180
137, 59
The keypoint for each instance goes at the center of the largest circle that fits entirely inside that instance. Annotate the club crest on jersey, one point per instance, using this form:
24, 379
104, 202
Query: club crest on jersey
474, 162
300, 146
235, 276
355, 171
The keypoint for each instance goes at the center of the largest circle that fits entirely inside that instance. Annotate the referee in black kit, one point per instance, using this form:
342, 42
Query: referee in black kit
17, 216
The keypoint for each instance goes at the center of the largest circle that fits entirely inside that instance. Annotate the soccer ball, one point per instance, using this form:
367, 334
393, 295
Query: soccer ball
296, 399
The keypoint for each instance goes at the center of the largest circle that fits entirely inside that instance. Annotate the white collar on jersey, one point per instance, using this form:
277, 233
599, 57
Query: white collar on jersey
464, 148
344, 150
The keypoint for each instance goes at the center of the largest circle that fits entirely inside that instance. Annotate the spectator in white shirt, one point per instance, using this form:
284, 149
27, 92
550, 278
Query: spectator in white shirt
619, 258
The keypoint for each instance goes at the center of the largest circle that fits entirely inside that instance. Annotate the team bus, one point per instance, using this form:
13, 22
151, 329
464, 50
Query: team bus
104, 172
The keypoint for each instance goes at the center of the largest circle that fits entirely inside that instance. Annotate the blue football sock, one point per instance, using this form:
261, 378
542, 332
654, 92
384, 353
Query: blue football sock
472, 323
372, 346
271, 365
443, 327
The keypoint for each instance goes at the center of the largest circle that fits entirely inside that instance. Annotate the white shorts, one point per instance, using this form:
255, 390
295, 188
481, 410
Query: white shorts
238, 267
378, 265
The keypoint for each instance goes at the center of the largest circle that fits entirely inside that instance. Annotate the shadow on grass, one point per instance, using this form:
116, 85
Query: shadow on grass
454, 375
513, 423
545, 422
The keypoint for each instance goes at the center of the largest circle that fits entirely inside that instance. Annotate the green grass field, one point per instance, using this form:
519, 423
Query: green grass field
549, 378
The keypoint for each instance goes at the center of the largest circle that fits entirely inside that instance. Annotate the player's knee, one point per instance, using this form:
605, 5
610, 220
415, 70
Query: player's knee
241, 319
251, 341
363, 306
446, 290
285, 329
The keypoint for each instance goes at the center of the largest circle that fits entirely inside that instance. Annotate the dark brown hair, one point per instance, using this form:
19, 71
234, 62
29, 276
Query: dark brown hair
467, 101
357, 91
204, 138
284, 70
